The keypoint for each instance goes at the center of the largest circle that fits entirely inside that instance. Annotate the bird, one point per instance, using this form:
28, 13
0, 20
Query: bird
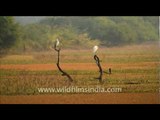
57, 43
95, 48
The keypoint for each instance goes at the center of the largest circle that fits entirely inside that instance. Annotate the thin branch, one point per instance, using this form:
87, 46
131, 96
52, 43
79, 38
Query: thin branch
108, 72
100, 68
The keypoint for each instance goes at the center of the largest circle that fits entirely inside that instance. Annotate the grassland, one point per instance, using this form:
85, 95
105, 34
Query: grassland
134, 68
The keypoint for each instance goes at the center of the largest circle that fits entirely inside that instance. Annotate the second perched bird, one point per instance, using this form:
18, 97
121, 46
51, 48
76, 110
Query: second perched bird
95, 48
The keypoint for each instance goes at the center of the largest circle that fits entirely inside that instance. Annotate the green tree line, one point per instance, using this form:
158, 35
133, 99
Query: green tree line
77, 31
8, 32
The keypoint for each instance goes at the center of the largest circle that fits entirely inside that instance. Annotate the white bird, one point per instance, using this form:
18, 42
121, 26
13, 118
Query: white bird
57, 43
95, 48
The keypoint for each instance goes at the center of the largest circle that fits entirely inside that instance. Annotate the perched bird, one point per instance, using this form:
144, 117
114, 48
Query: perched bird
95, 48
57, 43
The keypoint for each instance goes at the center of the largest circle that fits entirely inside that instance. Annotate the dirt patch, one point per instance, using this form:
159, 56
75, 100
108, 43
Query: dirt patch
78, 66
67, 66
100, 98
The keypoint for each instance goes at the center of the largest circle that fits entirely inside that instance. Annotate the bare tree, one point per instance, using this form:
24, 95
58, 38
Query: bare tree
96, 58
100, 68
58, 49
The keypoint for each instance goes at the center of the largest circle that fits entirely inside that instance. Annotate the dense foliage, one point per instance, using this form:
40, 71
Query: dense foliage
8, 32
77, 31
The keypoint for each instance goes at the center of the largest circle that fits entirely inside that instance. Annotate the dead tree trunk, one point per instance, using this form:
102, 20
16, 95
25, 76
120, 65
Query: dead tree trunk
63, 73
100, 68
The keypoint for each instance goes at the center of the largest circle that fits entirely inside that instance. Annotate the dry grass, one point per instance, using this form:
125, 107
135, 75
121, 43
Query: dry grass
134, 68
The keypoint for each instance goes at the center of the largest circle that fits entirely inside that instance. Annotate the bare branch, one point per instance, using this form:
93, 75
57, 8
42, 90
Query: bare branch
63, 73
109, 71
100, 68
